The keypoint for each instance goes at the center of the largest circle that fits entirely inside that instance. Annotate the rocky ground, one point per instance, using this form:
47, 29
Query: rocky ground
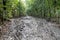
30, 28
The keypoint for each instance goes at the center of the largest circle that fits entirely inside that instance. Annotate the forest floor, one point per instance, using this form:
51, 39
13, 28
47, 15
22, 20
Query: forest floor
29, 28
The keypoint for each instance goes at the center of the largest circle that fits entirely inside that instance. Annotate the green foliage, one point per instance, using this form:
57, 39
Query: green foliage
38, 8
14, 8
48, 9
43, 8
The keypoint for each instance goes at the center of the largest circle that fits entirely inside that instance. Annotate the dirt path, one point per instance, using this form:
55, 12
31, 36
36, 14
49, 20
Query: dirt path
30, 28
